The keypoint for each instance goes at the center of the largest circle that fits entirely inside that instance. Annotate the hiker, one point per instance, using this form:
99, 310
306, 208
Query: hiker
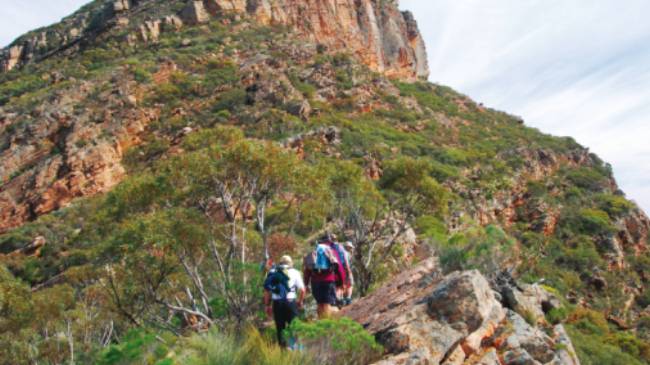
344, 259
347, 293
284, 294
324, 270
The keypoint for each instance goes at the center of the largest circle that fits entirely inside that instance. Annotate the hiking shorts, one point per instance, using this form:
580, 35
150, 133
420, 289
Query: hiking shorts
324, 292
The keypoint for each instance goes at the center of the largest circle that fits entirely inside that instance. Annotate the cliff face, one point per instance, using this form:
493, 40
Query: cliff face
56, 154
385, 39
63, 154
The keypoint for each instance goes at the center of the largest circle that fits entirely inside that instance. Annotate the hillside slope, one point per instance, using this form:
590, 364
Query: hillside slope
153, 153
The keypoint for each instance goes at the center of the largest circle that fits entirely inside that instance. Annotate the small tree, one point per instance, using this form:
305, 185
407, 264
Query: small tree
378, 219
197, 254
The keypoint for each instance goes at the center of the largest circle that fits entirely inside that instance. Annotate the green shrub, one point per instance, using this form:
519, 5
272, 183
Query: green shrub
344, 79
586, 178
336, 341
431, 227
630, 344
484, 248
589, 321
138, 347
97, 58
643, 326
308, 90
614, 205
230, 100
593, 350
137, 157
220, 73
141, 75
557, 315
166, 93
578, 254
216, 348
594, 221
20, 86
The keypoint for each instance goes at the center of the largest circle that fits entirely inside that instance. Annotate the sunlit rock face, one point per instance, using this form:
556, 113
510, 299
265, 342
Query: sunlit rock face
376, 32
384, 38
423, 317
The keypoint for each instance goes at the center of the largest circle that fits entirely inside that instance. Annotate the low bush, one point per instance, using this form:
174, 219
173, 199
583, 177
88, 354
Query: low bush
138, 347
216, 348
230, 100
592, 350
586, 178
557, 315
487, 249
614, 205
336, 342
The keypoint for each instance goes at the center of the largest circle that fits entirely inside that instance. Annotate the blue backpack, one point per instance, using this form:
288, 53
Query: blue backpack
277, 282
322, 262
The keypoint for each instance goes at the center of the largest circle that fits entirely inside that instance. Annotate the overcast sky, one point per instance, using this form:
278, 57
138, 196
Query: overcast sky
577, 68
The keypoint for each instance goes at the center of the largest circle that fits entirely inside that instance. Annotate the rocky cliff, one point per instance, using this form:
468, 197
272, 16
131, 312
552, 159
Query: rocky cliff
382, 37
423, 317
64, 154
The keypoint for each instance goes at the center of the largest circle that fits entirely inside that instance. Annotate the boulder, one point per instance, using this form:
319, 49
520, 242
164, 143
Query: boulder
463, 297
216, 7
194, 13
566, 354
530, 300
300, 108
525, 338
172, 22
121, 5
519, 357
11, 57
150, 30
490, 357
421, 317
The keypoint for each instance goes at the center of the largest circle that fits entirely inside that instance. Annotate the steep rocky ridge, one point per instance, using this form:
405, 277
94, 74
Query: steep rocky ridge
382, 37
36, 182
514, 203
423, 317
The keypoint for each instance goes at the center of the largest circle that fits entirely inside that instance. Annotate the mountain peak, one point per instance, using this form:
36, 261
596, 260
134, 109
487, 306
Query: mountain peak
376, 32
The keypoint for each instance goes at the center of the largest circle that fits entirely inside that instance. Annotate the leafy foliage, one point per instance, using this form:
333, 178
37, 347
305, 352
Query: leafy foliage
336, 341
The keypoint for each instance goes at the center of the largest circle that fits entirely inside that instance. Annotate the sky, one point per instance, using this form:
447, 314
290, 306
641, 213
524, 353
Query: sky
577, 68
21, 16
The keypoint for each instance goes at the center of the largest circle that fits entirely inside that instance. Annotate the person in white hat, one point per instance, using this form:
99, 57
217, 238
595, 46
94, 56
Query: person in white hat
284, 294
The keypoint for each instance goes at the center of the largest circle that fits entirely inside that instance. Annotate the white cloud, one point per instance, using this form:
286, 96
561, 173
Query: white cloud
577, 68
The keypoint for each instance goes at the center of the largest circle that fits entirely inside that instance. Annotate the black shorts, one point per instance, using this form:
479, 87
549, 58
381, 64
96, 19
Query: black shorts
324, 292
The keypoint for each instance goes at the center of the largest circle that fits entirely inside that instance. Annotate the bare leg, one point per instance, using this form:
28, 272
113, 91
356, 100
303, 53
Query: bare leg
323, 311
348, 292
